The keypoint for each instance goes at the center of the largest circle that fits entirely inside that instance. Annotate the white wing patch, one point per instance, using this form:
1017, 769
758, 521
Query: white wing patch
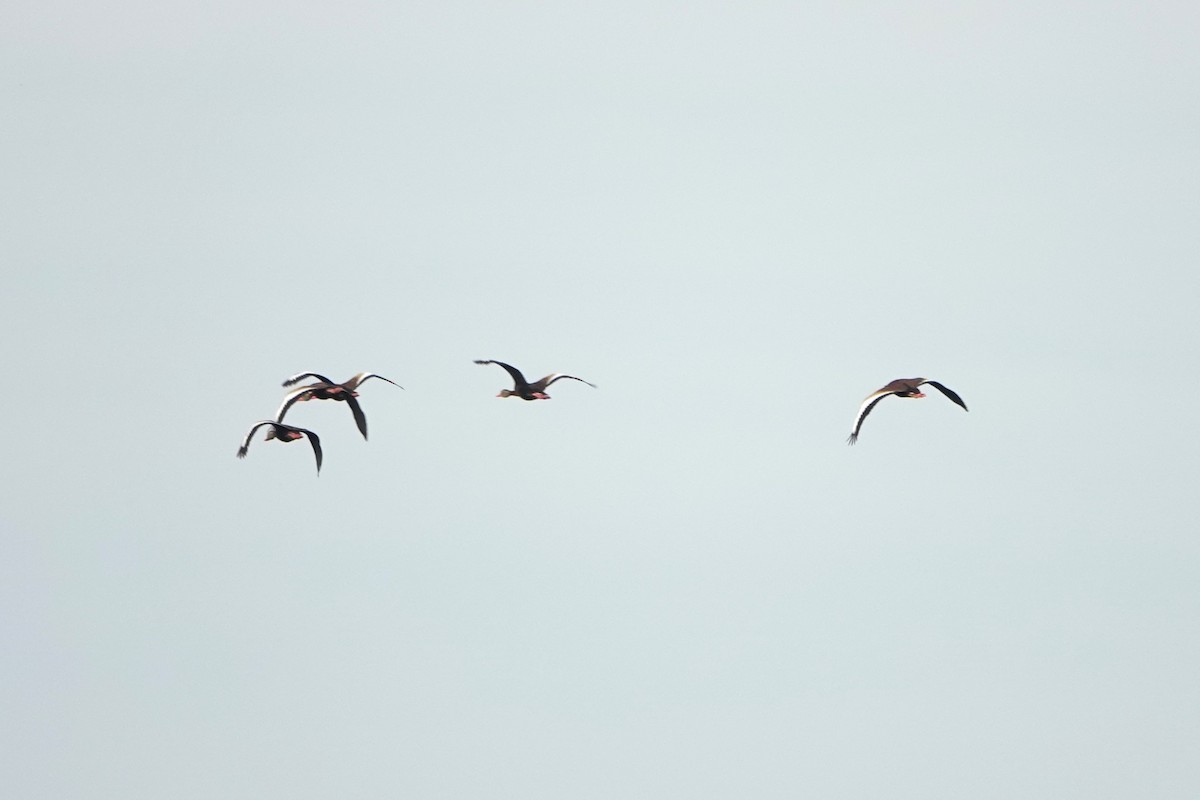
362, 376
288, 399
865, 409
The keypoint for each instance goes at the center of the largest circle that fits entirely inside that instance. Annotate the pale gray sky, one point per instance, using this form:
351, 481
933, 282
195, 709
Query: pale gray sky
738, 220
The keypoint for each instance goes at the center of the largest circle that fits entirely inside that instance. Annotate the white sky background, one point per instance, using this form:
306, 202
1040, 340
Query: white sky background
738, 220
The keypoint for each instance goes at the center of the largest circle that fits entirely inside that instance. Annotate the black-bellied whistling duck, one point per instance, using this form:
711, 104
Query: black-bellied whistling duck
526, 390
306, 393
285, 434
326, 389
902, 387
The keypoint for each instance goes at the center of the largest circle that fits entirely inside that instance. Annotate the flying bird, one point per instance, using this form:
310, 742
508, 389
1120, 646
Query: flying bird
330, 388
307, 393
902, 387
326, 389
526, 390
285, 434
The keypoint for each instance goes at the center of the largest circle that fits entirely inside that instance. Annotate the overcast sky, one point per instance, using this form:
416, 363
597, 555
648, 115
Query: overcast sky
737, 220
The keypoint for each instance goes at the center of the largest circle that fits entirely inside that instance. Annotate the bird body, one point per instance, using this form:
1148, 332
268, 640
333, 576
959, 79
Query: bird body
901, 387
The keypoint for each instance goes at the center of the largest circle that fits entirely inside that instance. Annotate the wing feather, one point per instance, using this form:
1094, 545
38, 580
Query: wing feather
360, 419
949, 393
517, 377
866, 408
289, 400
362, 377
558, 376
241, 453
315, 441
301, 376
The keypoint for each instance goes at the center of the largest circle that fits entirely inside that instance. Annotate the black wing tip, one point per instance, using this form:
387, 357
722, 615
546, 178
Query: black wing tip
318, 454
563, 376
242, 452
852, 439
381, 377
950, 394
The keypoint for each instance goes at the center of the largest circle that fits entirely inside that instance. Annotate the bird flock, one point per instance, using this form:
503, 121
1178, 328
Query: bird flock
324, 389
347, 392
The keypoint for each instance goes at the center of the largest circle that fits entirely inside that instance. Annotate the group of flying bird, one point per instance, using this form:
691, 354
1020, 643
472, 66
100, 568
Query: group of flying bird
347, 392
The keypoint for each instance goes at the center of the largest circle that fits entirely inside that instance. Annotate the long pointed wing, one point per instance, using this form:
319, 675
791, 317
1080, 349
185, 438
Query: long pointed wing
289, 400
866, 407
362, 377
301, 376
360, 419
558, 376
949, 393
517, 377
241, 453
315, 441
